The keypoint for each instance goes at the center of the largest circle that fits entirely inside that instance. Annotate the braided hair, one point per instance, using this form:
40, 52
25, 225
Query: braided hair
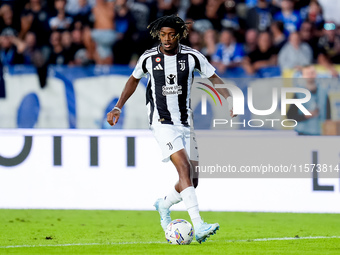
172, 21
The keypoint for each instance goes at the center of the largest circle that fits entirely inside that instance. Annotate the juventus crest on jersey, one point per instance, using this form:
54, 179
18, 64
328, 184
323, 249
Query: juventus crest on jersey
169, 85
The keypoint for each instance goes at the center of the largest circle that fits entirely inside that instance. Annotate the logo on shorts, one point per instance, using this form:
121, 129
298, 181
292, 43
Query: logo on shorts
170, 146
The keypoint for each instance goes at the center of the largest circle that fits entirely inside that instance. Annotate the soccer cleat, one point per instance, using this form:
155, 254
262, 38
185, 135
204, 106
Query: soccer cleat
204, 230
164, 213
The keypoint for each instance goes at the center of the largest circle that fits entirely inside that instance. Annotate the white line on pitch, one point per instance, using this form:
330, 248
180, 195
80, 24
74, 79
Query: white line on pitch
159, 242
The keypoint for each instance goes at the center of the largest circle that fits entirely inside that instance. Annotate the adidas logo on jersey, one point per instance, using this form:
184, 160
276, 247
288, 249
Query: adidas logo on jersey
158, 67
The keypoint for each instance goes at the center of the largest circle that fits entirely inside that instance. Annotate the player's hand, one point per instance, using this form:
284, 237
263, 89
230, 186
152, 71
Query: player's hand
113, 117
230, 106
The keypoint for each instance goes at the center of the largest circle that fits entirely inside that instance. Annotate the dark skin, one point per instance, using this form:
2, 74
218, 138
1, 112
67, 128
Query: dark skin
185, 167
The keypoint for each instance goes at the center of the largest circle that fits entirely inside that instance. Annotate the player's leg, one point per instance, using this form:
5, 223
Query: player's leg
202, 229
184, 189
185, 171
194, 173
185, 162
183, 166
174, 196
185, 186
170, 141
192, 149
181, 161
163, 205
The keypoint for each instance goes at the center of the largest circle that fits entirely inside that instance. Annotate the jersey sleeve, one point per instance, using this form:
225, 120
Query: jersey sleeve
140, 70
203, 66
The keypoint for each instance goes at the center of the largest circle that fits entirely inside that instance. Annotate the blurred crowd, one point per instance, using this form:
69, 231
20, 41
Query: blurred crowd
248, 33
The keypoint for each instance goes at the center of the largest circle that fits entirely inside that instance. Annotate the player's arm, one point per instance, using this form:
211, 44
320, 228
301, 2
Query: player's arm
129, 89
215, 79
208, 70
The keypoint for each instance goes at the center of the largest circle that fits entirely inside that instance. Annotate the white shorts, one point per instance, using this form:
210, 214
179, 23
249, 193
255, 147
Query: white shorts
173, 138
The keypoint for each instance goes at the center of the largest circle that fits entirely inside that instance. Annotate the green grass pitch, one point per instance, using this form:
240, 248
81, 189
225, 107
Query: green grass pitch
139, 232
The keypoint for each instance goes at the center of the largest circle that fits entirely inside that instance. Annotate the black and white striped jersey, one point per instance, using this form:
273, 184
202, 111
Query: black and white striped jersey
169, 85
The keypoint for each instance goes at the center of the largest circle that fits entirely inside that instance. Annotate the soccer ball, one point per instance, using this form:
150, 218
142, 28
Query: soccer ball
179, 232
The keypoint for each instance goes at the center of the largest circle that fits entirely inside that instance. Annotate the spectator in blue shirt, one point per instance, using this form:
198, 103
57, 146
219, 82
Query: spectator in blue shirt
290, 18
125, 27
230, 19
8, 50
260, 16
228, 53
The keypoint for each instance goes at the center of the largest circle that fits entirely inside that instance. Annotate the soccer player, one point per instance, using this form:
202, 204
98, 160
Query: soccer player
170, 66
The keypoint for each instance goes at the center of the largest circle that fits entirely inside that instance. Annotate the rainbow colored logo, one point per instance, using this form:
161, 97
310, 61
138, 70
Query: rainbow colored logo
209, 93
